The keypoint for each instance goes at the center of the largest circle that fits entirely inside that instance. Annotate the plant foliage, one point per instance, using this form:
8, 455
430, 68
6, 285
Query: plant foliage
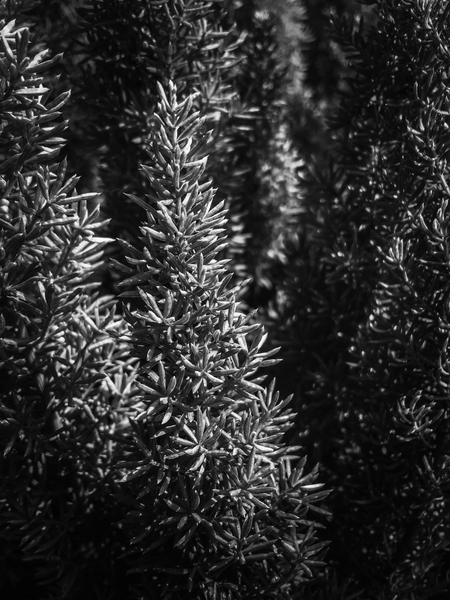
364, 320
291, 157
61, 371
215, 499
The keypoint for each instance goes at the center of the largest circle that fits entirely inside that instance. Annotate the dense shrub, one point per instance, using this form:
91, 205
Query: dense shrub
290, 157
96, 445
61, 370
215, 498
363, 310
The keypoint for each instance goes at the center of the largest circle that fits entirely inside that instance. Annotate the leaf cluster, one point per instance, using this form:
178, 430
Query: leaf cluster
61, 370
214, 498
367, 309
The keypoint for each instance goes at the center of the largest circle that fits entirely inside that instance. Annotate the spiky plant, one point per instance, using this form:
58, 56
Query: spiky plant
62, 373
217, 508
368, 309
126, 48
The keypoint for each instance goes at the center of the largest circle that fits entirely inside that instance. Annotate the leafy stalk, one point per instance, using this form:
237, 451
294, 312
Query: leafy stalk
62, 372
215, 499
